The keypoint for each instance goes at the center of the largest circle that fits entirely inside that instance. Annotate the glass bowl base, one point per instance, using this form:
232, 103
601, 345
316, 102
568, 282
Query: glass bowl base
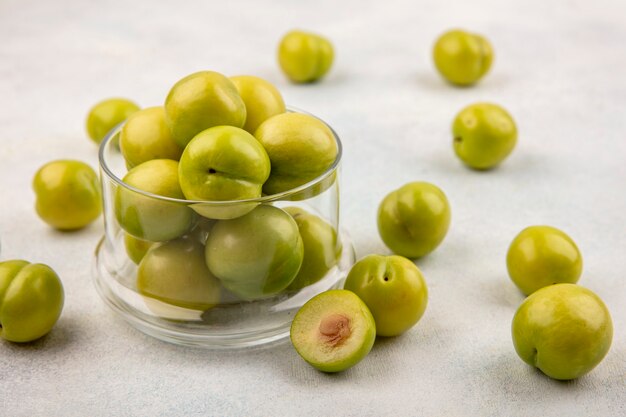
227, 326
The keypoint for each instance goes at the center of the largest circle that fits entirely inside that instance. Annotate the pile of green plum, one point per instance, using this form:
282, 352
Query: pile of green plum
561, 328
195, 219
193, 203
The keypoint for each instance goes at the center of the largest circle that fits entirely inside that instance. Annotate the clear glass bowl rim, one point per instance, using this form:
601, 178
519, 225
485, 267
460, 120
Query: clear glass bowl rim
263, 199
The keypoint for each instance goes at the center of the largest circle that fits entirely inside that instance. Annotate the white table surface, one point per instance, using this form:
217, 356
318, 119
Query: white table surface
559, 70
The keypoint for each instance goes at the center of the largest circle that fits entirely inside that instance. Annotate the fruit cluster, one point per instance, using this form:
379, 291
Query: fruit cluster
196, 219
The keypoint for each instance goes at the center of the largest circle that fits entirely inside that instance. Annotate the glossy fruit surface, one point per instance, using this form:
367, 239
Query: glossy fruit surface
305, 57
150, 218
322, 249
107, 114
175, 273
261, 98
484, 135
200, 101
31, 300
564, 330
223, 163
146, 136
462, 58
414, 219
68, 195
393, 289
543, 255
256, 255
333, 331
300, 149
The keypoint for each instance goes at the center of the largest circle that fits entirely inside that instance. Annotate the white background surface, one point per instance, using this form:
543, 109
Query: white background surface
559, 70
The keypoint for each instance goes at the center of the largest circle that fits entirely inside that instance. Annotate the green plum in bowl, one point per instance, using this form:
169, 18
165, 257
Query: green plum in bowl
256, 255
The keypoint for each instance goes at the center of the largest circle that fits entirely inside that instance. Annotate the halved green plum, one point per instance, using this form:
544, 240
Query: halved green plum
333, 331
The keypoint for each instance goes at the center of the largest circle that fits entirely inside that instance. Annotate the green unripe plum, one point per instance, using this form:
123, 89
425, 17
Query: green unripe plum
146, 136
175, 273
136, 249
542, 255
200, 101
484, 135
150, 218
394, 290
414, 219
107, 114
564, 330
300, 148
333, 331
462, 58
305, 57
322, 249
256, 255
68, 194
31, 300
261, 98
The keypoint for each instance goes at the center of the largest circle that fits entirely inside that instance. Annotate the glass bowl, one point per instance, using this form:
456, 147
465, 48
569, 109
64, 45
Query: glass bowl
173, 296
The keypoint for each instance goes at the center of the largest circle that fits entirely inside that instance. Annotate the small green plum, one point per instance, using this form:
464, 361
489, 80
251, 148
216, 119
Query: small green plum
333, 331
31, 300
462, 58
68, 194
484, 135
564, 330
175, 273
150, 217
146, 136
220, 164
256, 255
305, 57
136, 249
543, 255
394, 290
414, 219
322, 249
300, 149
262, 100
107, 114
202, 100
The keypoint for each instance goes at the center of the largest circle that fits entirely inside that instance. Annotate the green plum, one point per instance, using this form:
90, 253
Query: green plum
414, 219
484, 135
150, 217
262, 100
542, 255
256, 255
68, 194
202, 100
564, 330
146, 136
136, 249
305, 57
394, 290
333, 331
321, 247
462, 58
175, 273
300, 148
31, 300
107, 114
223, 163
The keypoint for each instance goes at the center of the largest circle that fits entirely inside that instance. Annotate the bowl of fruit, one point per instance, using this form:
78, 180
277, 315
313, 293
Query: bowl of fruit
221, 212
